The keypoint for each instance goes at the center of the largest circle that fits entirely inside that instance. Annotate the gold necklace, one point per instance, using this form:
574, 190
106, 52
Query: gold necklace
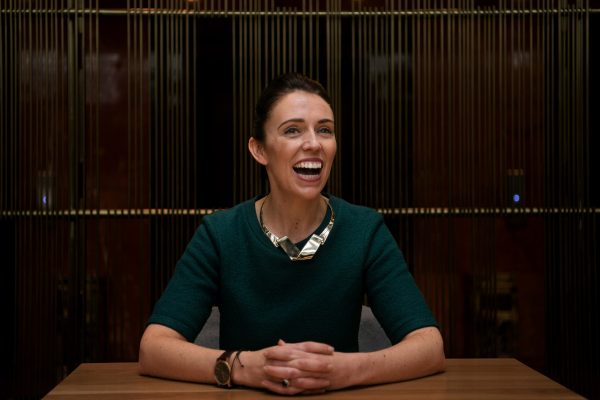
309, 249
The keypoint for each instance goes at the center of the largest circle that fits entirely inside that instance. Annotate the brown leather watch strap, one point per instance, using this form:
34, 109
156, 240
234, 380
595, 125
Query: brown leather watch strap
225, 355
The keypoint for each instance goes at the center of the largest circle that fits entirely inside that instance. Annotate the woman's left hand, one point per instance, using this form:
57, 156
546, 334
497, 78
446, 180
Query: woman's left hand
293, 368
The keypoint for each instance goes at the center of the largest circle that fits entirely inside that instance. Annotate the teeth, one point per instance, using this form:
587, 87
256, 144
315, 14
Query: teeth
309, 164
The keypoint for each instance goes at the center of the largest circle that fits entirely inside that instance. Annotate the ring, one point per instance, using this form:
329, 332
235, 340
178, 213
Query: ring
285, 383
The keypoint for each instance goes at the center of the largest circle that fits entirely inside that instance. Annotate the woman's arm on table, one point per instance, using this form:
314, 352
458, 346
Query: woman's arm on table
166, 353
420, 353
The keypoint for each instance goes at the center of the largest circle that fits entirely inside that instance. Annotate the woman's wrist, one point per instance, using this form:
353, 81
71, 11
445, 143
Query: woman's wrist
349, 370
245, 371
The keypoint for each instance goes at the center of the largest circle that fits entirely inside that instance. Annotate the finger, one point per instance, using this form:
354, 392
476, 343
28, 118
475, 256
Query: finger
283, 353
278, 373
319, 365
291, 351
304, 364
312, 347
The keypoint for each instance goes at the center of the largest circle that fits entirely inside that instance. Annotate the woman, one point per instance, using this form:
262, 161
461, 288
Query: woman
289, 272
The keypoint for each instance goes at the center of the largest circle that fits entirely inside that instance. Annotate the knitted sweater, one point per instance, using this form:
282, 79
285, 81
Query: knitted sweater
263, 296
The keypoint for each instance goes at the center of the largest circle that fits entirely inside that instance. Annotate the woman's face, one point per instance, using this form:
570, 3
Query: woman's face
299, 145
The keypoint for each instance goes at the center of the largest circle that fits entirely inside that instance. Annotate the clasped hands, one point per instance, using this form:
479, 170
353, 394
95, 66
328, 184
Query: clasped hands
296, 368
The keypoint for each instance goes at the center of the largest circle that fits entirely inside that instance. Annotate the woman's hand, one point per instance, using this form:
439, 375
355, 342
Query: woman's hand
293, 368
165, 353
310, 367
287, 368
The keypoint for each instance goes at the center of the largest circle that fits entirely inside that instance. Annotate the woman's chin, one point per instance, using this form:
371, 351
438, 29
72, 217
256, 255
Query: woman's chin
311, 193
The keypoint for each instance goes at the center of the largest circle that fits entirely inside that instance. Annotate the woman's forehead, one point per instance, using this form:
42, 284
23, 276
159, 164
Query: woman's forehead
300, 103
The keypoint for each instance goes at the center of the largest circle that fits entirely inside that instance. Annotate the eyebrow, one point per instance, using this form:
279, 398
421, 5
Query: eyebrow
321, 121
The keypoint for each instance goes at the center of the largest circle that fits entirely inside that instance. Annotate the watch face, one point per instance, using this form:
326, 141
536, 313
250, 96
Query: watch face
222, 372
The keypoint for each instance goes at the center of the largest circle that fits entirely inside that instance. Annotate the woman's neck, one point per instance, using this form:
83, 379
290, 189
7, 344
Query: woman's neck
294, 218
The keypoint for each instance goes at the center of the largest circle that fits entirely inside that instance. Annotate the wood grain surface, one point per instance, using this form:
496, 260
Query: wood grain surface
501, 378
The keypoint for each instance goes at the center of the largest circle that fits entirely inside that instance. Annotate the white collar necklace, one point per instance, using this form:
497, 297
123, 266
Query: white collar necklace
309, 249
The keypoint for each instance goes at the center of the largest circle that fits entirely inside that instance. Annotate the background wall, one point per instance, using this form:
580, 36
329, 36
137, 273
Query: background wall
468, 124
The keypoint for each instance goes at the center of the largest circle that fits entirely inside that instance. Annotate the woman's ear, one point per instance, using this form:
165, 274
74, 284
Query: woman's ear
257, 150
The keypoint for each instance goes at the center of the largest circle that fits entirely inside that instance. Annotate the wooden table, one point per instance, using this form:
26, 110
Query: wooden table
500, 378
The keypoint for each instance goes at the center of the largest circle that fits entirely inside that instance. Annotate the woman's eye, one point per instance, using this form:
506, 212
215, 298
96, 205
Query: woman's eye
291, 130
325, 130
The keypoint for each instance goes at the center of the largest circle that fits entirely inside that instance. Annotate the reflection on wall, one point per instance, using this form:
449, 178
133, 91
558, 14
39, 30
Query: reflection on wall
466, 124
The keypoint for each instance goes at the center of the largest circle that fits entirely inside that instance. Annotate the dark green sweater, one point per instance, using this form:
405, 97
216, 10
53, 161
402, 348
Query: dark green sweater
263, 296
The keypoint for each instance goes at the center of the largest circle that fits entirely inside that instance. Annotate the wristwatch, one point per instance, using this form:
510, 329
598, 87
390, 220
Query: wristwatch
223, 370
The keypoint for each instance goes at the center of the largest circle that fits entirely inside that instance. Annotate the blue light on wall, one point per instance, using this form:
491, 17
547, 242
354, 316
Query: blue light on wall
45, 190
515, 187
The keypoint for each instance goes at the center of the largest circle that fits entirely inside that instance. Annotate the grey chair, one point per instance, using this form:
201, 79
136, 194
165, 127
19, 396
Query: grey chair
371, 336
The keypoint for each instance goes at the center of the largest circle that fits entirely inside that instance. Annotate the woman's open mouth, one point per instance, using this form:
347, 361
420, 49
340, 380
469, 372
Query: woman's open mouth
308, 169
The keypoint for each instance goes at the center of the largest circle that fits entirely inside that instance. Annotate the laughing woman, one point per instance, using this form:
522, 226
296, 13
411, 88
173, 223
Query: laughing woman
289, 272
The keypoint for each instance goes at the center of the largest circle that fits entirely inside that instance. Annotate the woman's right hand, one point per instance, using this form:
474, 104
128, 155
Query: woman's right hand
166, 353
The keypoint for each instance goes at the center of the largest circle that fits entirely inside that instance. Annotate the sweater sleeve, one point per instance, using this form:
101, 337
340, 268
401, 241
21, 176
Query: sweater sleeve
186, 303
392, 293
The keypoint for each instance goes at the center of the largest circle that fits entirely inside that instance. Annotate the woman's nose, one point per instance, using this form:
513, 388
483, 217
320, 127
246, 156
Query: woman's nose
311, 141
